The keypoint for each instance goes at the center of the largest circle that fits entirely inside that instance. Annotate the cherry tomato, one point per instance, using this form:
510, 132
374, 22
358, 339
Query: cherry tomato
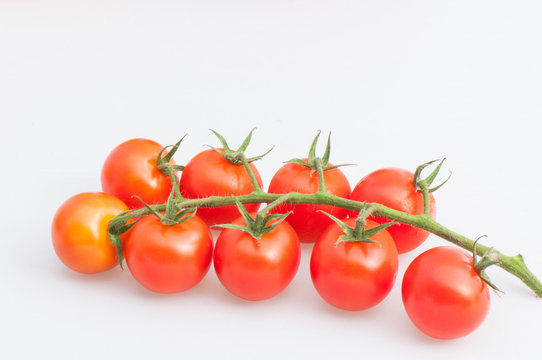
255, 271
208, 174
395, 189
169, 259
353, 275
130, 169
307, 222
443, 295
79, 232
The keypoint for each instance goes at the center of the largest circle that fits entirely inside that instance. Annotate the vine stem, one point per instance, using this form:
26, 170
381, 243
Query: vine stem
320, 171
425, 192
515, 265
250, 173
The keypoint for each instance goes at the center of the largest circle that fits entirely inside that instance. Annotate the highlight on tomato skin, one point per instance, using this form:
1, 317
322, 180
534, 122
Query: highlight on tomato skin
130, 170
255, 271
79, 232
307, 221
353, 275
394, 188
169, 259
443, 294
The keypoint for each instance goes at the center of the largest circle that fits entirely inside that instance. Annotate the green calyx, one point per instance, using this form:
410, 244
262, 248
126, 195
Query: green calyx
173, 216
313, 162
118, 226
162, 162
423, 185
237, 157
258, 226
488, 258
358, 233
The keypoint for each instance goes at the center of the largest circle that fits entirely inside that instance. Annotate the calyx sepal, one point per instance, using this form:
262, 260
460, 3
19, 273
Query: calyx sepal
162, 162
357, 233
118, 226
173, 215
429, 179
488, 258
312, 159
258, 226
236, 157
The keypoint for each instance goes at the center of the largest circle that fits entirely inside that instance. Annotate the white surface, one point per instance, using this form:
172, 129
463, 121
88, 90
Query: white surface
398, 83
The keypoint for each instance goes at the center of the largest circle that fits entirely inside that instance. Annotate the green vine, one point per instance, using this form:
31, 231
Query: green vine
515, 265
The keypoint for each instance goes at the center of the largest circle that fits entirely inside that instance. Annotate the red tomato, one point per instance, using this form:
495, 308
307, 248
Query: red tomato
353, 275
252, 271
443, 295
208, 174
169, 259
79, 232
307, 222
130, 169
395, 189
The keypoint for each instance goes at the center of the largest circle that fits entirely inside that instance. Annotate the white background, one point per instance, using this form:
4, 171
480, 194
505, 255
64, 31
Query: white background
397, 83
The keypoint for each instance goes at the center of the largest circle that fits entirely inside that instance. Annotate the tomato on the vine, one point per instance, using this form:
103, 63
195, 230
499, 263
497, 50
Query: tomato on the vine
305, 219
130, 170
210, 173
443, 294
252, 270
395, 189
353, 275
169, 259
79, 232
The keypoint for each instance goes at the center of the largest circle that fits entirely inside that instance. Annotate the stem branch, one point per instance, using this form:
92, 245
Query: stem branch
251, 175
320, 171
425, 192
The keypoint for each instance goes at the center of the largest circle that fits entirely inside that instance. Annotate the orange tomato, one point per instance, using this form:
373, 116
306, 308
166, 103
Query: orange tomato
79, 232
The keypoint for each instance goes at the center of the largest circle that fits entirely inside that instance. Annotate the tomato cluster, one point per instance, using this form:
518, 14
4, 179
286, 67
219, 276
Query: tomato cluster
354, 260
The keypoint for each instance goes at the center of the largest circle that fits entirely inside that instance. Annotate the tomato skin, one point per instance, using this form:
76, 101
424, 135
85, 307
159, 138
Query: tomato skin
79, 232
208, 174
307, 222
395, 189
169, 259
443, 295
257, 272
353, 275
130, 169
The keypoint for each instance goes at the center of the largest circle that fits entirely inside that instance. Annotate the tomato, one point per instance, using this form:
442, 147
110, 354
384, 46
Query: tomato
395, 189
130, 169
353, 275
208, 174
79, 232
169, 259
443, 295
307, 222
255, 271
